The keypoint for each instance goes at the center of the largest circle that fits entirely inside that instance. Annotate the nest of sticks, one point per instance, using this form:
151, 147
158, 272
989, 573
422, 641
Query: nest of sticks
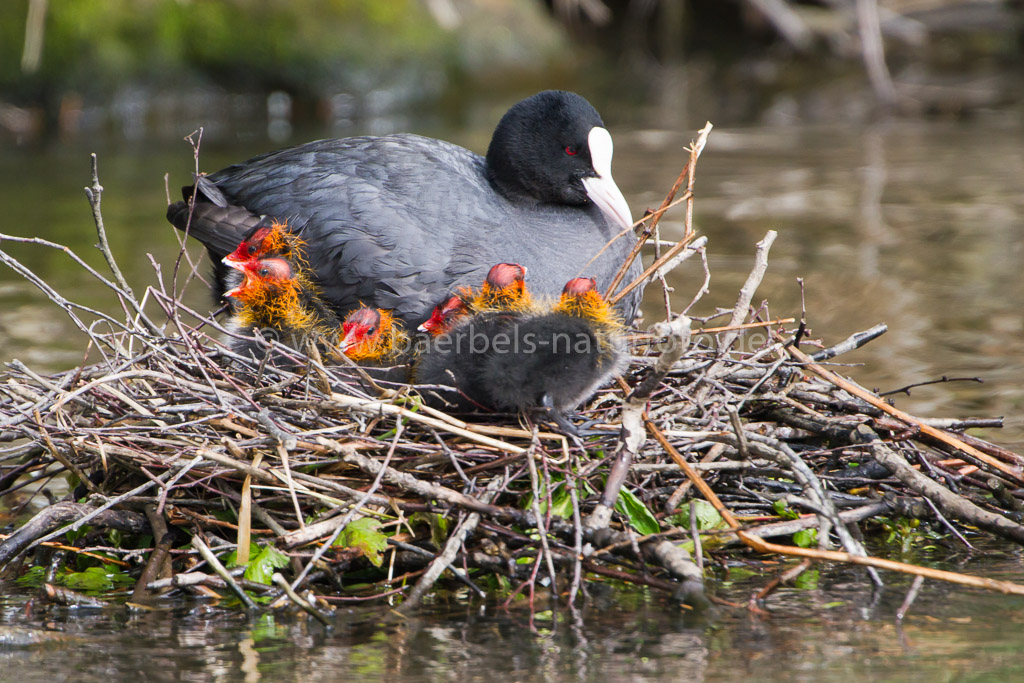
354, 490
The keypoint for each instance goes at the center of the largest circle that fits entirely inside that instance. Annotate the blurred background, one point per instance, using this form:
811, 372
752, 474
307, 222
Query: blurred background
883, 140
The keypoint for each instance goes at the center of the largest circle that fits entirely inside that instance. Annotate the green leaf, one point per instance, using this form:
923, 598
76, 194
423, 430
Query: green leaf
561, 502
783, 510
634, 510
232, 558
33, 578
363, 534
97, 579
438, 526
262, 565
807, 580
805, 538
707, 516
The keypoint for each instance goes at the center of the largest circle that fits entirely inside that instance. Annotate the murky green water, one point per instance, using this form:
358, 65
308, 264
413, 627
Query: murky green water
916, 224
838, 632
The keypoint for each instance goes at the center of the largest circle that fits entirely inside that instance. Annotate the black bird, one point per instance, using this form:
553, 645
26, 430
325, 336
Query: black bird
520, 362
399, 221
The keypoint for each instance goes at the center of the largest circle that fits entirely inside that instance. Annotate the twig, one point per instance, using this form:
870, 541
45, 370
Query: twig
95, 193
223, 573
294, 597
742, 307
944, 437
451, 549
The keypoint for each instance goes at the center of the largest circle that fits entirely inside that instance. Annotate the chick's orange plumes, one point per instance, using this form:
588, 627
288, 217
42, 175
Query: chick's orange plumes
372, 335
269, 297
503, 290
266, 241
581, 299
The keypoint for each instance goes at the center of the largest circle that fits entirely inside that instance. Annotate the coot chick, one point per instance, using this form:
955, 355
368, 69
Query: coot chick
281, 302
277, 298
372, 336
503, 290
267, 239
399, 221
445, 316
513, 362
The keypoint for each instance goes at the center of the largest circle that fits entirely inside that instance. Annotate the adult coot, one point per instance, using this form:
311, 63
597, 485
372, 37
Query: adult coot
399, 221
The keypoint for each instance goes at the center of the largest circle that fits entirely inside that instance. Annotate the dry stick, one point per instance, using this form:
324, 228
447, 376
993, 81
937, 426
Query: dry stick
215, 564
460, 575
654, 218
542, 523
308, 608
381, 408
417, 486
451, 550
117, 500
272, 477
821, 503
742, 307
632, 436
689, 170
651, 270
383, 467
245, 514
950, 503
94, 193
971, 454
854, 341
866, 560
791, 526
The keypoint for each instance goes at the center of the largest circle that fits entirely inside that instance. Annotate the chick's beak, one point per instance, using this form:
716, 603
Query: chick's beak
601, 188
351, 338
232, 261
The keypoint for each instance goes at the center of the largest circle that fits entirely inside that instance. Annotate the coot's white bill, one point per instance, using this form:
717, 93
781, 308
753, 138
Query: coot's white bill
602, 189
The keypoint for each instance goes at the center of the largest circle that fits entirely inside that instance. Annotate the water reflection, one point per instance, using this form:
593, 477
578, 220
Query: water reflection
837, 632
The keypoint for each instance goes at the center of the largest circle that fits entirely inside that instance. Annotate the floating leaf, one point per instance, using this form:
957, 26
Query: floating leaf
808, 580
363, 534
96, 579
33, 578
634, 510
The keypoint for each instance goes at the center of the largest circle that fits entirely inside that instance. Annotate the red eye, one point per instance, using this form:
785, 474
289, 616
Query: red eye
571, 151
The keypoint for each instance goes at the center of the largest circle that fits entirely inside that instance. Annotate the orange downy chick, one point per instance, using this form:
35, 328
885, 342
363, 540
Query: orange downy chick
372, 335
266, 241
271, 296
504, 289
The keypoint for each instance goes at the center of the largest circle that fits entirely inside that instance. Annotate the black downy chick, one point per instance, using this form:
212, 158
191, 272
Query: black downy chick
543, 363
